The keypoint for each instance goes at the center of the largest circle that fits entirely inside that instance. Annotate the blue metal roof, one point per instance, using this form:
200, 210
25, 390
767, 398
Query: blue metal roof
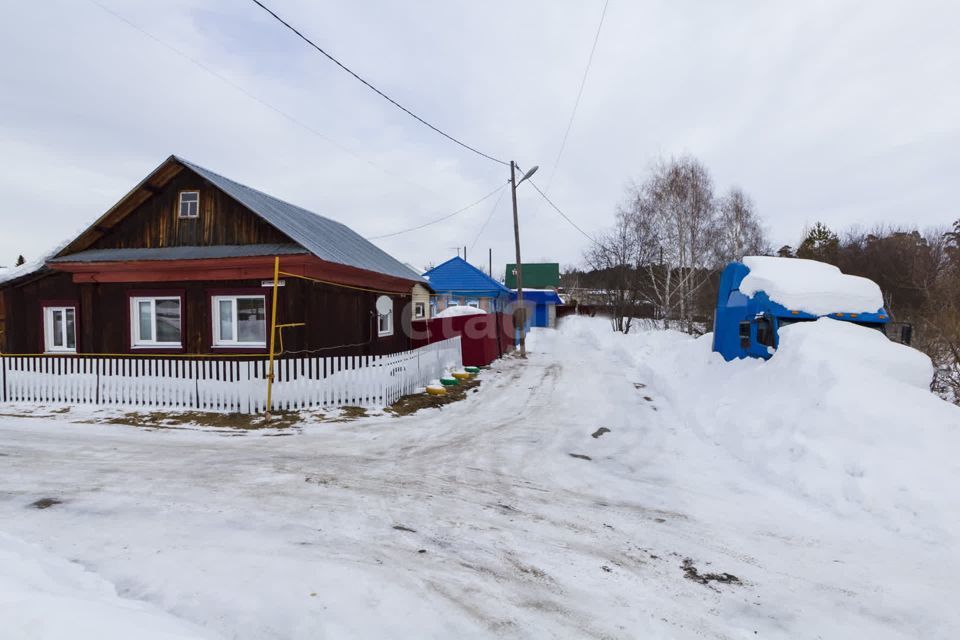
458, 277
538, 296
325, 238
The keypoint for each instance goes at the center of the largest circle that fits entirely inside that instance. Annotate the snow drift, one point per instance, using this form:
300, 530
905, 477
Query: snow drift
43, 596
807, 285
840, 416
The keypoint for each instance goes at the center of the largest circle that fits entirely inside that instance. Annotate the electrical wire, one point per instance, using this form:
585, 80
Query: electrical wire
576, 104
343, 286
558, 210
441, 219
487, 221
373, 88
262, 102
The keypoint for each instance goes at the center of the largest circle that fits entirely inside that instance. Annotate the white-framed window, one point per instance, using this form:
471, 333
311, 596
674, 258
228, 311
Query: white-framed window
189, 205
240, 321
60, 329
473, 303
155, 321
385, 324
419, 310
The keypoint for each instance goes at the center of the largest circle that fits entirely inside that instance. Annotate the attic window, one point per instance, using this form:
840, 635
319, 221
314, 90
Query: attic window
189, 204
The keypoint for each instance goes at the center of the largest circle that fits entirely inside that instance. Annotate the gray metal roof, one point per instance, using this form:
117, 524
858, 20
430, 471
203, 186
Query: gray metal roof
181, 253
325, 238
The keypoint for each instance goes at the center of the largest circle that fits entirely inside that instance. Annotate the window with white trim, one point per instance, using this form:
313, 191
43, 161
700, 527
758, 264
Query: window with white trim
473, 303
385, 324
189, 206
155, 321
419, 310
60, 329
240, 321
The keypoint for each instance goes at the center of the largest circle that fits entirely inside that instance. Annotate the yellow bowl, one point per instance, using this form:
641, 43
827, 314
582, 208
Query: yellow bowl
436, 390
461, 375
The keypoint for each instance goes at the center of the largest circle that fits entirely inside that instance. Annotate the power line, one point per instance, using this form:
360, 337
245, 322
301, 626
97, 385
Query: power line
489, 217
440, 219
262, 102
558, 210
373, 88
576, 104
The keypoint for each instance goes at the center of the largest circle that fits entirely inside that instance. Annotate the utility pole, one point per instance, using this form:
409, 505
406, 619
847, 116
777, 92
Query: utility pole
490, 263
516, 238
520, 313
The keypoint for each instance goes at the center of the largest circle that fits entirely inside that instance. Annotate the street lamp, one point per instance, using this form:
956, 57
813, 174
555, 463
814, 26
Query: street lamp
516, 239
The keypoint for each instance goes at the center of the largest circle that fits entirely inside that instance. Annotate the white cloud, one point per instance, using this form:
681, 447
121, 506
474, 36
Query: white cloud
840, 111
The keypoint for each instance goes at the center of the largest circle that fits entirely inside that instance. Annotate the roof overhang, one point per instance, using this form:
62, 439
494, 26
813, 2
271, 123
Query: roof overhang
225, 269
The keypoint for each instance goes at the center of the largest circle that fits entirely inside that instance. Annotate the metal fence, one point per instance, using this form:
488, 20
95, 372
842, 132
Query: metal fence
225, 385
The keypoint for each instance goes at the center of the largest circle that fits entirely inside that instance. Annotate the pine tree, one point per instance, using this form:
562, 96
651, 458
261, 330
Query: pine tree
820, 244
20, 260
786, 251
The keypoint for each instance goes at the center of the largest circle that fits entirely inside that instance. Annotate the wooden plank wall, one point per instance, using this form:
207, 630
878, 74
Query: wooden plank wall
334, 316
222, 220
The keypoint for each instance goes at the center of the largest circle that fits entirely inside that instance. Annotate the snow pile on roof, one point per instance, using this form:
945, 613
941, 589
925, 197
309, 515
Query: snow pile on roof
43, 596
840, 416
807, 285
31, 266
460, 310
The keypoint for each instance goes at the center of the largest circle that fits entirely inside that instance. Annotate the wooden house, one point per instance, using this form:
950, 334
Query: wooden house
457, 282
184, 264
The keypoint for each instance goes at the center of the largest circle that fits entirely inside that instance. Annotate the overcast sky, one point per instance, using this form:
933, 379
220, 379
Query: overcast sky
845, 112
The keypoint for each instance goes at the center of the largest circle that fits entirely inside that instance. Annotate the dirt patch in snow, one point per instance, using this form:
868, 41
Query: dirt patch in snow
690, 572
579, 456
408, 405
186, 419
349, 413
400, 527
45, 503
599, 432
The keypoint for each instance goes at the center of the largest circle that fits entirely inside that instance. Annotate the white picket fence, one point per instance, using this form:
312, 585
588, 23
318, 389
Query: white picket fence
235, 385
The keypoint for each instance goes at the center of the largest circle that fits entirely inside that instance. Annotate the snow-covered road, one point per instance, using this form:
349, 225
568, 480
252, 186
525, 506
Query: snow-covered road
510, 514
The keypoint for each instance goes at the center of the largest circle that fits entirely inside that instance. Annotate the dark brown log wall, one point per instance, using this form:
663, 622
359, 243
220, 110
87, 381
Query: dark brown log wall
339, 321
222, 220
23, 332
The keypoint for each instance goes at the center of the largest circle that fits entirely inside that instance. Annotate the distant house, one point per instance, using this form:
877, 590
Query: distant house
184, 264
541, 305
457, 282
421, 303
541, 280
536, 275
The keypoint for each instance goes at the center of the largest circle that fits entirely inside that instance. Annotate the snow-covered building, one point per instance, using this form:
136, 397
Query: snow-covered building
762, 294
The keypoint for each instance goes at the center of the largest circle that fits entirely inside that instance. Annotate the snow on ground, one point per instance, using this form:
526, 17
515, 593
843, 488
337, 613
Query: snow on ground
43, 596
585, 492
808, 285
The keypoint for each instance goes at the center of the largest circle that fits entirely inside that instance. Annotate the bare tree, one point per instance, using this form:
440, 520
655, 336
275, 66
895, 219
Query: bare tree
679, 198
670, 237
739, 231
614, 258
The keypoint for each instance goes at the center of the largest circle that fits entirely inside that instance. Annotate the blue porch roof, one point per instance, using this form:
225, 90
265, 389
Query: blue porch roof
538, 296
458, 277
